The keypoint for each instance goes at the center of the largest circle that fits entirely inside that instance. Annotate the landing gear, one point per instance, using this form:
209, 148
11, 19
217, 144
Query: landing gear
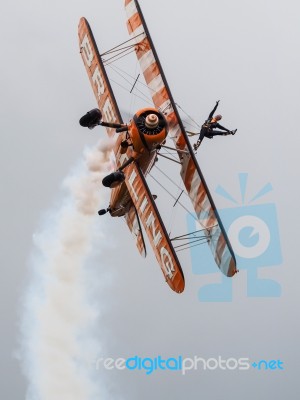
91, 119
124, 146
94, 117
114, 179
103, 211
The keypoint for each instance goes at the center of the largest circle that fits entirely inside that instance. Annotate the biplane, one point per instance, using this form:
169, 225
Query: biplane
137, 145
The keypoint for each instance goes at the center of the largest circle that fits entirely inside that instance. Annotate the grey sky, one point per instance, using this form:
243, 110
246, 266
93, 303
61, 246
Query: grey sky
242, 52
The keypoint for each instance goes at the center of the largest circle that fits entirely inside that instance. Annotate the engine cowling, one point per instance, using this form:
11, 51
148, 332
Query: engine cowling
148, 129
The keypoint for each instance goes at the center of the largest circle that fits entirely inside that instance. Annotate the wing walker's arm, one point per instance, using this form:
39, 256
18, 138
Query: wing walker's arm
214, 110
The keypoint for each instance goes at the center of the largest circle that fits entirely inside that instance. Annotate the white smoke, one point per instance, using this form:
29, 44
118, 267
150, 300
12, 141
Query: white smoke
57, 319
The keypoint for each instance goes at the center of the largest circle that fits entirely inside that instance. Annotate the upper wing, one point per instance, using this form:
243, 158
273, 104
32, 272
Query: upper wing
154, 227
98, 76
108, 106
190, 171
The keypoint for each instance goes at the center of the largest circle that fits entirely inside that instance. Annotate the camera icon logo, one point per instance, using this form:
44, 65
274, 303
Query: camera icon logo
254, 235
250, 236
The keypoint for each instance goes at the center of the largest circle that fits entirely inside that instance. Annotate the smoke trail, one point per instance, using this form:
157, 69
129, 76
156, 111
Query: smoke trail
57, 317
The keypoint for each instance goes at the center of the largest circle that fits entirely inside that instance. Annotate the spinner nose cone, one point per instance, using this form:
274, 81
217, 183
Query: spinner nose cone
151, 121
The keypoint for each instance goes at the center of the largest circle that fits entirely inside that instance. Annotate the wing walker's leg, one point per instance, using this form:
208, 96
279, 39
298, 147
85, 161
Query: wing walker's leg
197, 144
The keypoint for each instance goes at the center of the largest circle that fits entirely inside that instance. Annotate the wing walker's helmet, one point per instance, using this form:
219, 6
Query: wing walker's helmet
218, 117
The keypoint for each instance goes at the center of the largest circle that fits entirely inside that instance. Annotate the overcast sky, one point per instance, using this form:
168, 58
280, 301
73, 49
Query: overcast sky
242, 52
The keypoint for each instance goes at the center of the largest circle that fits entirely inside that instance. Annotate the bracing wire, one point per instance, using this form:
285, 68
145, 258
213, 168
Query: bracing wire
171, 180
170, 194
124, 55
123, 52
117, 56
189, 247
144, 98
172, 216
133, 98
121, 44
121, 72
203, 239
126, 89
188, 116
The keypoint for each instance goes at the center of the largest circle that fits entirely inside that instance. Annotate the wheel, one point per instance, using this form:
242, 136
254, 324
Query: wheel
102, 212
91, 118
114, 179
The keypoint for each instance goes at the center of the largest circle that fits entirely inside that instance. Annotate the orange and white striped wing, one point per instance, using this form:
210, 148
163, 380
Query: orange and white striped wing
207, 215
97, 75
108, 106
154, 227
151, 68
133, 222
190, 172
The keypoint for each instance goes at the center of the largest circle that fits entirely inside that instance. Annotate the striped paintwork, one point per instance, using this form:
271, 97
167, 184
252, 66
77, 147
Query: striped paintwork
98, 78
107, 104
190, 172
154, 227
133, 223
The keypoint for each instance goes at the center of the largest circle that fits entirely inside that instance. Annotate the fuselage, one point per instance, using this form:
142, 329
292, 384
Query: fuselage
146, 131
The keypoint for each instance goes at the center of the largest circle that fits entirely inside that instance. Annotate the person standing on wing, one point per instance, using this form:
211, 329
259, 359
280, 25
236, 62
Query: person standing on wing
209, 126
